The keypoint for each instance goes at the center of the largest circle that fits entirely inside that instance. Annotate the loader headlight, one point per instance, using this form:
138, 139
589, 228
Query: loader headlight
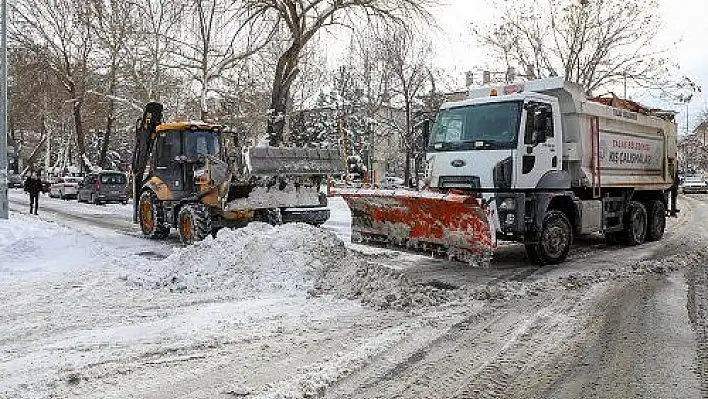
508, 205
199, 173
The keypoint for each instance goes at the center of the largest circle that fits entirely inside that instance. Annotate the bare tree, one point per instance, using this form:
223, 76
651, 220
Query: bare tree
58, 31
408, 57
596, 43
112, 24
218, 38
36, 104
148, 51
303, 20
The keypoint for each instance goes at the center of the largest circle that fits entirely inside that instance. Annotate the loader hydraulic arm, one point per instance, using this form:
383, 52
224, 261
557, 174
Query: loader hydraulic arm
145, 134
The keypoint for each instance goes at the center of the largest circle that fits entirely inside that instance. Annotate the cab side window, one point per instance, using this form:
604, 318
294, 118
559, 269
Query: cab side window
539, 122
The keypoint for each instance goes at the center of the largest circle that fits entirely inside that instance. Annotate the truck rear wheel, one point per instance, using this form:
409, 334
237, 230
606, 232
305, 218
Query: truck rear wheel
554, 241
194, 223
656, 212
635, 224
152, 216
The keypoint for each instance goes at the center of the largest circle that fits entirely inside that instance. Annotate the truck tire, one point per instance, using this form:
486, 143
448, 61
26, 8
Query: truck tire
554, 240
194, 223
151, 216
635, 224
656, 222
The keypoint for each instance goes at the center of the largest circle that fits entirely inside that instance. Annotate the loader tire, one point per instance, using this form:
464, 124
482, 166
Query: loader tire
656, 223
194, 223
151, 215
554, 240
635, 224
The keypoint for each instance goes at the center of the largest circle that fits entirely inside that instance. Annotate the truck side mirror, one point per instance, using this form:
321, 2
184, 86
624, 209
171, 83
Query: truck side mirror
424, 128
426, 132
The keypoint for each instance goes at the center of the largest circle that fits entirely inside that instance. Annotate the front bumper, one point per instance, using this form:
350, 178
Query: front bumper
112, 198
314, 216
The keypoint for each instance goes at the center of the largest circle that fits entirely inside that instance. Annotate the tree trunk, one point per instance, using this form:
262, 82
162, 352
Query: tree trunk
110, 118
35, 153
285, 73
407, 170
278, 109
203, 111
408, 139
107, 136
80, 140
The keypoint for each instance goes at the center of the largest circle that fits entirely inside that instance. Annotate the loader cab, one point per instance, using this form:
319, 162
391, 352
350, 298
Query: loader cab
179, 149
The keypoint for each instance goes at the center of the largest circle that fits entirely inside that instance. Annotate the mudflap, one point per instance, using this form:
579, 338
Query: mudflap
455, 225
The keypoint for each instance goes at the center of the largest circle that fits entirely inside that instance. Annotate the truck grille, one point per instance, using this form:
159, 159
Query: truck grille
461, 182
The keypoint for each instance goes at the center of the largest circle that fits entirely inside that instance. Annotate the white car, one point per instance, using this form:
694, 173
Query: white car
694, 184
65, 187
392, 182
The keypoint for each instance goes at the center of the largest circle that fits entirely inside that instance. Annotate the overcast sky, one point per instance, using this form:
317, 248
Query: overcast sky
685, 21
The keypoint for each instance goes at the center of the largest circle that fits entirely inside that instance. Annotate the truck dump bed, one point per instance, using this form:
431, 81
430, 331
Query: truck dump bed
624, 145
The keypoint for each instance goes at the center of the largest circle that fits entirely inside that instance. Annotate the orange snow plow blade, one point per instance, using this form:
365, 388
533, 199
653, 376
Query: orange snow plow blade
453, 224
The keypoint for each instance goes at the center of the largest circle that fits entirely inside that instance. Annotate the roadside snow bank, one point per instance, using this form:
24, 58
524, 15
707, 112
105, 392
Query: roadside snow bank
258, 258
29, 244
291, 259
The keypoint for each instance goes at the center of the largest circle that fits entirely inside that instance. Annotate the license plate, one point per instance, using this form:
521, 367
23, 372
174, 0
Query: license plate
114, 192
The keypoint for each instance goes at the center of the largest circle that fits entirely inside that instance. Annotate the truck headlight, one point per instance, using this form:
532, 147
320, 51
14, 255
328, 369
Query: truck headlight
508, 204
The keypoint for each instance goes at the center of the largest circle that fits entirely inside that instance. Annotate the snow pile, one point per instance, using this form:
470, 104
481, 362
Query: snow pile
378, 286
290, 259
29, 244
258, 258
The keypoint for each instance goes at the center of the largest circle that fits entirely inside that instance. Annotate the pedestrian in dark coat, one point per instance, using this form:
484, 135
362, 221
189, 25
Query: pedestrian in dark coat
33, 186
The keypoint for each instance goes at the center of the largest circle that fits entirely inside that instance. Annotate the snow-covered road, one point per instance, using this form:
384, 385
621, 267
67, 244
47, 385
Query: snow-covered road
90, 310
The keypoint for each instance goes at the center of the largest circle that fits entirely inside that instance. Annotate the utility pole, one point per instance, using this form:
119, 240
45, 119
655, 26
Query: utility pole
4, 204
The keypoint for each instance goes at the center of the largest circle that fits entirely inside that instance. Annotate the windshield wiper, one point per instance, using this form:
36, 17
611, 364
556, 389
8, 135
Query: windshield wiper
447, 145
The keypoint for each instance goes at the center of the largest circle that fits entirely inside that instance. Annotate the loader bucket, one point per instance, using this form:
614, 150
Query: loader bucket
271, 161
450, 224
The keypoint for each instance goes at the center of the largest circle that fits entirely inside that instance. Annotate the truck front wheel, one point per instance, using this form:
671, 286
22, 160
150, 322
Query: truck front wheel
554, 241
635, 224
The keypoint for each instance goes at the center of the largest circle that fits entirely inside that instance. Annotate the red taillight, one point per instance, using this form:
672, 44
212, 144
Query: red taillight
98, 186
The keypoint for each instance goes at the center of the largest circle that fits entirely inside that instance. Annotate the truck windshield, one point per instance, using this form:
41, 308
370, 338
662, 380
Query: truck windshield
201, 142
491, 126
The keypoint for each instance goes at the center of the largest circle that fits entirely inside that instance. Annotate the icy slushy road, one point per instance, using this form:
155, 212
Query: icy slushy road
89, 310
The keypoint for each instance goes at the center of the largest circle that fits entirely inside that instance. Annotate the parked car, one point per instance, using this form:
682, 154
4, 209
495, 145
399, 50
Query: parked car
104, 187
64, 187
392, 182
15, 180
46, 186
694, 184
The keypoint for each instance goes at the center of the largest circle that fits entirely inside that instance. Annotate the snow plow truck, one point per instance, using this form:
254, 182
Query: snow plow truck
186, 176
537, 163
